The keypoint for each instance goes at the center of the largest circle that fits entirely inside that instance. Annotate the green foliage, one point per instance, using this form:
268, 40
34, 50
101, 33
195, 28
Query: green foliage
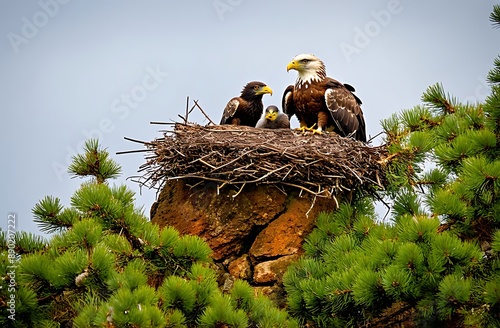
408, 263
495, 245
48, 215
495, 18
177, 293
107, 265
220, 313
436, 99
454, 292
94, 162
439, 258
23, 242
191, 249
491, 294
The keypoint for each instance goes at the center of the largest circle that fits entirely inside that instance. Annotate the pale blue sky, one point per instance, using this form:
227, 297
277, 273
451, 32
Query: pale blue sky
73, 69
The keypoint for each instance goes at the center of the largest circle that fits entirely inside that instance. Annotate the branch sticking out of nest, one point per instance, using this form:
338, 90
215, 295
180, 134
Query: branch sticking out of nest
323, 165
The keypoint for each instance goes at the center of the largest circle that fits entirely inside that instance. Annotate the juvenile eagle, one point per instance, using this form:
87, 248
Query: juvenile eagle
322, 103
273, 119
247, 108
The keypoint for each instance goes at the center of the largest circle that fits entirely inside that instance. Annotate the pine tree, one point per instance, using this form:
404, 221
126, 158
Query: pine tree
107, 266
437, 263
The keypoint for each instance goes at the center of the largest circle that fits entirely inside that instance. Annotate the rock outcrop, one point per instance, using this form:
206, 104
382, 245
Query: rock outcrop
255, 233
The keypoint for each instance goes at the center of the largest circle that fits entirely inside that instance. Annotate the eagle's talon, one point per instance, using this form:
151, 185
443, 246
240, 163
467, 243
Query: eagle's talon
304, 128
301, 129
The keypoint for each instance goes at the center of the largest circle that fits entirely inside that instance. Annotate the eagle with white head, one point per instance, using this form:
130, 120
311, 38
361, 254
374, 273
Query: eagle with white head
322, 103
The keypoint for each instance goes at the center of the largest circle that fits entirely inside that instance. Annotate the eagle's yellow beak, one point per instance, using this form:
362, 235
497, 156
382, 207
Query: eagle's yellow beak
293, 65
272, 115
263, 90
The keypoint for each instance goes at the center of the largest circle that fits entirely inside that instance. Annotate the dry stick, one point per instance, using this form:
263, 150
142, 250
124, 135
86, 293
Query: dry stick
371, 139
203, 112
179, 153
196, 184
211, 166
187, 112
303, 188
381, 199
311, 207
187, 176
220, 187
213, 129
131, 151
243, 186
137, 141
164, 123
378, 180
185, 118
234, 160
266, 175
352, 171
200, 158
336, 201
287, 173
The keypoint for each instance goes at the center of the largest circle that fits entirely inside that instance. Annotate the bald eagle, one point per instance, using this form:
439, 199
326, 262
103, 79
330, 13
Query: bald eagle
322, 102
273, 119
247, 108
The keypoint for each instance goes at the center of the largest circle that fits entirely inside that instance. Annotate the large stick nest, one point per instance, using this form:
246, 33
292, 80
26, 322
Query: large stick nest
324, 165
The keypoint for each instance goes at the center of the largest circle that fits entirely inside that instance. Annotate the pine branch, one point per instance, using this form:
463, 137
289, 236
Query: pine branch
105, 265
495, 16
94, 162
436, 98
27, 242
47, 213
494, 74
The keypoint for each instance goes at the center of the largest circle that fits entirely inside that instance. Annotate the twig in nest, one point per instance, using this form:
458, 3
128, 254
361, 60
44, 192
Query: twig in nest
241, 188
321, 165
312, 205
203, 112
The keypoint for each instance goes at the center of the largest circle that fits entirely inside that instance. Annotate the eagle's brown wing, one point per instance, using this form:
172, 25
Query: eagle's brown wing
287, 103
230, 110
345, 110
351, 88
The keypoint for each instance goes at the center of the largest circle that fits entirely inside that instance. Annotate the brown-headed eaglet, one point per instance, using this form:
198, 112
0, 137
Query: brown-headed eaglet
322, 103
273, 119
248, 107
